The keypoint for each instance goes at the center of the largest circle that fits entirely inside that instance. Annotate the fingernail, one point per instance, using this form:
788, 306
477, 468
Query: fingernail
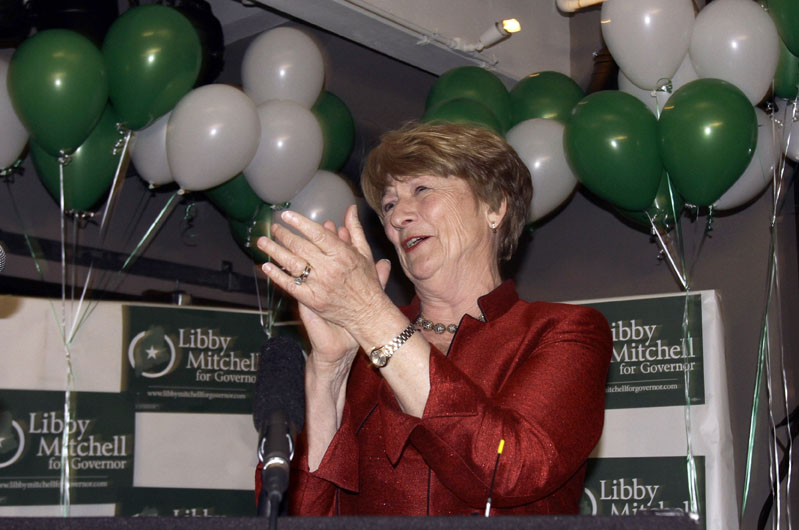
267, 267
288, 215
261, 242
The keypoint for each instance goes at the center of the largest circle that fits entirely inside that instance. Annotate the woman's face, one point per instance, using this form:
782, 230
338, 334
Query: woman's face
438, 227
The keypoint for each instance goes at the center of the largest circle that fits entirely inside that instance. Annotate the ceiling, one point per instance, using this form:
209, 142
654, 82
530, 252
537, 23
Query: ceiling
421, 32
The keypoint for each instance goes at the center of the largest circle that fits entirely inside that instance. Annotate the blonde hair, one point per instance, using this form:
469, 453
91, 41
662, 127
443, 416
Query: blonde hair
490, 166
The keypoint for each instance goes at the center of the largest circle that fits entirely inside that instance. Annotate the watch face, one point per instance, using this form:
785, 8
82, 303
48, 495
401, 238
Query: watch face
378, 357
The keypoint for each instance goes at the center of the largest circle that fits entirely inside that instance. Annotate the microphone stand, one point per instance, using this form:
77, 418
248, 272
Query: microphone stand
269, 506
274, 473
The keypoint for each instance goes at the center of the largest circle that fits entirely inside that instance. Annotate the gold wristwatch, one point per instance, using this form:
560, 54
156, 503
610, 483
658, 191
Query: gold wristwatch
379, 356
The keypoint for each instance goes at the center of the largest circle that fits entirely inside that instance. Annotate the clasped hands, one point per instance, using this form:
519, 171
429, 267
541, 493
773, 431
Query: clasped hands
331, 273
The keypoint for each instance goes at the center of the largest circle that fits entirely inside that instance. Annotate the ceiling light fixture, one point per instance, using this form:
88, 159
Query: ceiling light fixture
496, 33
570, 6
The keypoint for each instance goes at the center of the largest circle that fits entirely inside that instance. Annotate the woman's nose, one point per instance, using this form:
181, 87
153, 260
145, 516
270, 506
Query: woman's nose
403, 213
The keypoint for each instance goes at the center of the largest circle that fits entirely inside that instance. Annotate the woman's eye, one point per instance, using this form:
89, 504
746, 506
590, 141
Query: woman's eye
387, 207
420, 188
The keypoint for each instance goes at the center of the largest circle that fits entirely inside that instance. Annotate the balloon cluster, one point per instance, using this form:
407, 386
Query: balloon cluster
278, 140
531, 116
75, 100
682, 125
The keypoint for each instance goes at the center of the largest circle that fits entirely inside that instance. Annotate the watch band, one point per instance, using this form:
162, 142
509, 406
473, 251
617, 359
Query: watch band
380, 355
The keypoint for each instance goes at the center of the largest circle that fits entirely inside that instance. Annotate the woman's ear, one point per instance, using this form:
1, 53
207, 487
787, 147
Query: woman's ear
495, 217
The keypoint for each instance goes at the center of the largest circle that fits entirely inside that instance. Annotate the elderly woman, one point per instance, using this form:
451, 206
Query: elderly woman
406, 407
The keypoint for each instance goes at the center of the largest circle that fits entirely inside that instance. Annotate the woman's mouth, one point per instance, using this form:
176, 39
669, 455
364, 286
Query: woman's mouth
412, 242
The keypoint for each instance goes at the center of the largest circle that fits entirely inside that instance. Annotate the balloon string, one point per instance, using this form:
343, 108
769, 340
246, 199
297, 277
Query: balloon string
146, 239
780, 174
103, 279
762, 346
664, 248
74, 329
777, 320
764, 352
690, 461
65, 469
65, 434
134, 220
682, 274
31, 250
156, 225
705, 236
269, 315
116, 187
63, 247
121, 148
774, 331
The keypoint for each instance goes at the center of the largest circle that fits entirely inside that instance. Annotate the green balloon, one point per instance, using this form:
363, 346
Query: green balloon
707, 133
246, 233
58, 86
611, 145
235, 198
786, 16
462, 110
91, 170
338, 130
786, 77
667, 202
549, 95
472, 82
153, 56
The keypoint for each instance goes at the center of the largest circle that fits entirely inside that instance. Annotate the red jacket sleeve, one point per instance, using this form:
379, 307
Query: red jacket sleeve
315, 493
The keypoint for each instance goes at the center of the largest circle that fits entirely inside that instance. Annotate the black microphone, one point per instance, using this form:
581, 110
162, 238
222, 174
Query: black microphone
278, 414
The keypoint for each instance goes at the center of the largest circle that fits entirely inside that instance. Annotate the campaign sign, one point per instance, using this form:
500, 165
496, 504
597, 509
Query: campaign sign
99, 448
629, 486
191, 360
657, 350
174, 502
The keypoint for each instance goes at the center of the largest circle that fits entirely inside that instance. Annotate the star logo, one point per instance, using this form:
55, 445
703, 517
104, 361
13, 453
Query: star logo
151, 353
12, 440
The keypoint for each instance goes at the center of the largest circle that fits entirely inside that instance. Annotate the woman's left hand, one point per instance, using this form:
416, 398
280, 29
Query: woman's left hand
342, 284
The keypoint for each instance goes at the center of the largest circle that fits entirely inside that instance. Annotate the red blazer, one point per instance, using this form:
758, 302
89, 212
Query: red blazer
533, 374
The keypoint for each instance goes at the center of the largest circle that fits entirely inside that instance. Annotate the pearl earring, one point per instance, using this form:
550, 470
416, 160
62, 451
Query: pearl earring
493, 227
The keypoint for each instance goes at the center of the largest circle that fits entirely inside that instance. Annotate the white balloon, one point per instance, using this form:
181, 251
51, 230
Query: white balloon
656, 99
757, 175
539, 143
148, 152
736, 40
289, 151
283, 63
647, 38
211, 136
326, 197
13, 135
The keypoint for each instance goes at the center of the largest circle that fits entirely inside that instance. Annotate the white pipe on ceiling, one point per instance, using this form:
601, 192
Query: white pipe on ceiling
570, 6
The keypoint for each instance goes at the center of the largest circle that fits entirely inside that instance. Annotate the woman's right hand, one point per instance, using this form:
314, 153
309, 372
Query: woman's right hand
333, 347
